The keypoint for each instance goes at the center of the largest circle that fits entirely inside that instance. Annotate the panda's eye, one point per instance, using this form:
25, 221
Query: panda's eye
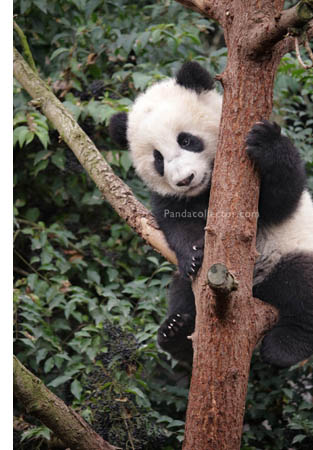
190, 142
158, 162
157, 155
186, 142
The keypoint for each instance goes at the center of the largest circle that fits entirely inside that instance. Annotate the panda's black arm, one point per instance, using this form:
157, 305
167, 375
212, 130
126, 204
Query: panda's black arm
182, 222
281, 170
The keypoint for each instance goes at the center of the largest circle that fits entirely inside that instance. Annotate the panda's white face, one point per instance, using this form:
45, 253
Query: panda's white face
172, 134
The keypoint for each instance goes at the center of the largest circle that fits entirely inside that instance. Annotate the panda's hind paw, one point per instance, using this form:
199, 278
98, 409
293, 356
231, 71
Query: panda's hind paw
174, 329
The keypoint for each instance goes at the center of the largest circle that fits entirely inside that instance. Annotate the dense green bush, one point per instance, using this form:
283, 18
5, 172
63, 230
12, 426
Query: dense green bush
89, 293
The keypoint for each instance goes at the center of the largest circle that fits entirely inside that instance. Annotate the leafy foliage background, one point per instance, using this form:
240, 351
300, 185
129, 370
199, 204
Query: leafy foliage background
88, 293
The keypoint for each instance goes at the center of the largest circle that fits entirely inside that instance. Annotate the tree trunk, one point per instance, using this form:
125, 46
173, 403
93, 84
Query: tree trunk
228, 328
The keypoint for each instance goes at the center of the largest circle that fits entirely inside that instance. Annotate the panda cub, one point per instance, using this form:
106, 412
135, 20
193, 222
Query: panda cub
171, 132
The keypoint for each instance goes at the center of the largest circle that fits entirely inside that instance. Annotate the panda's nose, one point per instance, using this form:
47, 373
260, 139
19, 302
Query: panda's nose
186, 181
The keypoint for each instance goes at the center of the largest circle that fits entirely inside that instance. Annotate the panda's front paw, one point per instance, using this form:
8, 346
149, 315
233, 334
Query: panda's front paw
261, 141
174, 331
196, 260
190, 264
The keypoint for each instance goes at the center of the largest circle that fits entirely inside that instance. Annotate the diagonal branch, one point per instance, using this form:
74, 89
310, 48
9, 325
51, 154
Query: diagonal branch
112, 187
69, 426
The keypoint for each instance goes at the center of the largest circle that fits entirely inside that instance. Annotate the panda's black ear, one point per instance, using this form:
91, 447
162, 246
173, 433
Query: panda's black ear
118, 129
195, 77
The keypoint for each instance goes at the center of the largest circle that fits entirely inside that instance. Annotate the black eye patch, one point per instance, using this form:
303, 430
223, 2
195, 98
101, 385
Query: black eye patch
190, 142
158, 162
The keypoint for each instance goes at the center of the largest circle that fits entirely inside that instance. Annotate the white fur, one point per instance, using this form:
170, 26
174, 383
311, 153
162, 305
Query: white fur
295, 234
157, 117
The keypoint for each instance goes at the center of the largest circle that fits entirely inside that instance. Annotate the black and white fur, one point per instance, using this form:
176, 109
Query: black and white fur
172, 132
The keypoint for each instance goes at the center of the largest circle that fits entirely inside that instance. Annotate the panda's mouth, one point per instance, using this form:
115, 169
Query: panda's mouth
196, 189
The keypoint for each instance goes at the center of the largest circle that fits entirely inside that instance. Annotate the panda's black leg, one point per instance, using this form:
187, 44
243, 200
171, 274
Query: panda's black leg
289, 287
281, 169
174, 331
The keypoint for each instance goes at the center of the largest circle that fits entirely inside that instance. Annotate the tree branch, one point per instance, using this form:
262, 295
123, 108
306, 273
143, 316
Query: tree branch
117, 193
266, 34
38, 401
308, 49
288, 43
221, 281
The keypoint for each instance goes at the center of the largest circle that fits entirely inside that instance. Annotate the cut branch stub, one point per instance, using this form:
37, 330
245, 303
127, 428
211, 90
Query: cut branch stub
221, 280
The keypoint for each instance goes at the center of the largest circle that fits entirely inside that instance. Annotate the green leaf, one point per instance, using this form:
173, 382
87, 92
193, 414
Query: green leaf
76, 389
74, 109
49, 364
42, 165
298, 438
154, 260
141, 80
58, 159
59, 380
41, 4
22, 135
125, 161
25, 4
41, 354
41, 156
135, 390
32, 214
58, 52
43, 136
32, 280
81, 4
93, 276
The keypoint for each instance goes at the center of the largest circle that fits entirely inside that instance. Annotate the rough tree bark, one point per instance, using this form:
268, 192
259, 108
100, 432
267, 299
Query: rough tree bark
228, 328
53, 412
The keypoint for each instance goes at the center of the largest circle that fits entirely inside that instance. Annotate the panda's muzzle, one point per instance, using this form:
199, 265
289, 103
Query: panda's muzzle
186, 181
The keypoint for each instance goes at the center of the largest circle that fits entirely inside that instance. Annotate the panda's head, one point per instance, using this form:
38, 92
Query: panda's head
172, 132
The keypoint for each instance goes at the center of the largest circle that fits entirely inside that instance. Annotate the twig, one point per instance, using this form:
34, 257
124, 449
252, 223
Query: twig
307, 46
